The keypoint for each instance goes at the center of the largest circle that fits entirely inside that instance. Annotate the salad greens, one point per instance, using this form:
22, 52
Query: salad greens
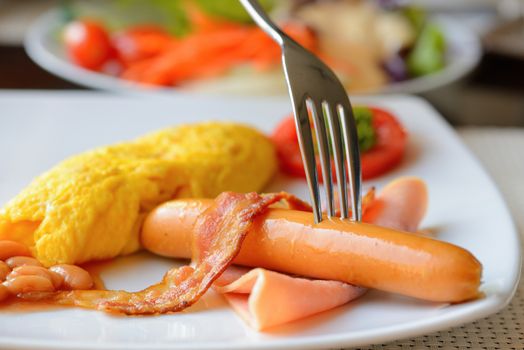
416, 16
366, 133
428, 54
231, 9
171, 14
121, 14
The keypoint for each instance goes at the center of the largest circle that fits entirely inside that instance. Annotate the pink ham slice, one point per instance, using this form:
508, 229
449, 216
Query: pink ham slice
265, 299
401, 205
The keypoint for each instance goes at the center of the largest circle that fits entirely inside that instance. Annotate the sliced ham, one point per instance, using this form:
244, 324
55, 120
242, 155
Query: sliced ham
401, 205
264, 299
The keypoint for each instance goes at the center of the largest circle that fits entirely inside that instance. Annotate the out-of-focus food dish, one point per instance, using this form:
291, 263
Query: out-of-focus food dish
382, 140
91, 206
198, 45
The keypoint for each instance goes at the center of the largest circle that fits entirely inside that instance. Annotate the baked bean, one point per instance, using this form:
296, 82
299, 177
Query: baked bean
17, 261
74, 277
4, 271
28, 270
4, 293
56, 279
26, 284
11, 248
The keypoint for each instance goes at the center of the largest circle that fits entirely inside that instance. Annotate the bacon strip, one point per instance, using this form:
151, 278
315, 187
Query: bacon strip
220, 231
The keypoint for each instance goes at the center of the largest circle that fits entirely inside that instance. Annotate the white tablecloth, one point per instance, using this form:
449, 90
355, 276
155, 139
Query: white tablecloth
501, 151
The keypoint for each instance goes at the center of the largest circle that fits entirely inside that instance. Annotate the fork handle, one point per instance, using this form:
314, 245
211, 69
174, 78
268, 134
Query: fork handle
259, 15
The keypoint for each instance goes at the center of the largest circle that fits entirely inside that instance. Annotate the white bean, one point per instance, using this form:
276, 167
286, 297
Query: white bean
4, 271
26, 284
17, 261
4, 293
28, 270
74, 277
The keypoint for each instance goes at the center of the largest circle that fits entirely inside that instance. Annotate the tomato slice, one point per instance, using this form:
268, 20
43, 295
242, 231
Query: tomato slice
88, 44
389, 148
387, 152
288, 151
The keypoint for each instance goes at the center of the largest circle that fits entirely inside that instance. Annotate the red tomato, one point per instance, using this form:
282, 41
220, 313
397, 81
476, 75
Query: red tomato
288, 151
382, 157
88, 44
389, 148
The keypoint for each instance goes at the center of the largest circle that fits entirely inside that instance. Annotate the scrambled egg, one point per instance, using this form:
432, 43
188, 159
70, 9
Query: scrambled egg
91, 206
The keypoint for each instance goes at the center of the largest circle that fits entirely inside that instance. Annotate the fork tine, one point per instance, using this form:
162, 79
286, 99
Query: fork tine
325, 158
340, 165
349, 131
305, 141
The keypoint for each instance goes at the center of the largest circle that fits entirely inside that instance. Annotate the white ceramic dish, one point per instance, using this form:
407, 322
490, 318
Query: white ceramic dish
39, 129
43, 46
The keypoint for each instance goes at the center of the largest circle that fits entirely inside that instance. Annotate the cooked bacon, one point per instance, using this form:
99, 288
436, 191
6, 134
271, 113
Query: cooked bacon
220, 231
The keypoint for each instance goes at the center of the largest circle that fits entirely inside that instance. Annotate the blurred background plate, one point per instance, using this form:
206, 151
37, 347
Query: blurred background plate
44, 47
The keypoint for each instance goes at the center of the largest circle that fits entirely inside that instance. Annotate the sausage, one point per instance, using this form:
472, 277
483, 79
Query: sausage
356, 253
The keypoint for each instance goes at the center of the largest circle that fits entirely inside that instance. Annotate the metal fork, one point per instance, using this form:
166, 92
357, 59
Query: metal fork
312, 85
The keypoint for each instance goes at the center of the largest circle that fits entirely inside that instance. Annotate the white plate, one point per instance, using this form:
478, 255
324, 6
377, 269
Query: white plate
39, 129
44, 47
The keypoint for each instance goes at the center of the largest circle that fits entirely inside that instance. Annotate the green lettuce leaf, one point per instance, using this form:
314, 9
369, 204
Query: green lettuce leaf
366, 133
428, 55
231, 9
120, 14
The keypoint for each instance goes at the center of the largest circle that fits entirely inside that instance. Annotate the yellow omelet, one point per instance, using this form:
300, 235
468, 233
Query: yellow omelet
91, 206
